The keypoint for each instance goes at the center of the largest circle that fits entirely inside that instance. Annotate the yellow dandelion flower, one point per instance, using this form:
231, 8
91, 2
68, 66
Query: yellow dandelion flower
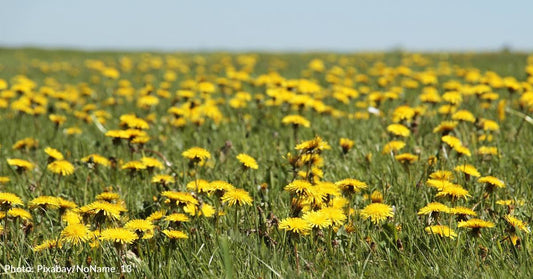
377, 212
150, 162
65, 204
196, 153
134, 166
61, 167
445, 127
442, 175
57, 119
4, 179
335, 215
180, 198
475, 224
54, 153
28, 143
468, 169
72, 131
132, 121
71, 217
398, 130
175, 234
177, 217
219, 186
19, 213
406, 158
438, 184
510, 202
75, 233
156, 215
317, 219
163, 179
491, 180
296, 120
9, 199
462, 150
376, 197
461, 210
489, 125
118, 235
110, 210
453, 191
21, 165
47, 202
487, 150
351, 185
339, 202
393, 146
199, 185
441, 230
315, 145
451, 141
295, 225
237, 197
143, 228
434, 207
464, 115
452, 97
299, 187
204, 210
346, 144
403, 113
47, 244
247, 161
96, 159
517, 223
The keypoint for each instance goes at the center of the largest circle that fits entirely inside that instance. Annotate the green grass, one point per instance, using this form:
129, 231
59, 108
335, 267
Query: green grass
254, 247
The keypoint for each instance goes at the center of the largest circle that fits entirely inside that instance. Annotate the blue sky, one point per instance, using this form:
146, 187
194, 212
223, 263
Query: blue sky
268, 25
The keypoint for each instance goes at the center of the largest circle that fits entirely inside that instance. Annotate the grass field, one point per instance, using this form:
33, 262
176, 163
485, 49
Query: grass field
362, 165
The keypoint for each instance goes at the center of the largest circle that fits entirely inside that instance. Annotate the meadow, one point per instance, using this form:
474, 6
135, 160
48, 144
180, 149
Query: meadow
265, 165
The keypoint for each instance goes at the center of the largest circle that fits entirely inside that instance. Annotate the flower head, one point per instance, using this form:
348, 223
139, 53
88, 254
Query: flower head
96, 159
398, 130
475, 224
175, 234
75, 233
196, 153
315, 145
317, 219
237, 197
21, 165
346, 144
441, 230
9, 199
491, 180
16, 212
295, 225
468, 169
143, 228
118, 235
517, 223
296, 120
163, 179
433, 207
377, 212
53, 153
61, 167
247, 161
351, 185
44, 202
